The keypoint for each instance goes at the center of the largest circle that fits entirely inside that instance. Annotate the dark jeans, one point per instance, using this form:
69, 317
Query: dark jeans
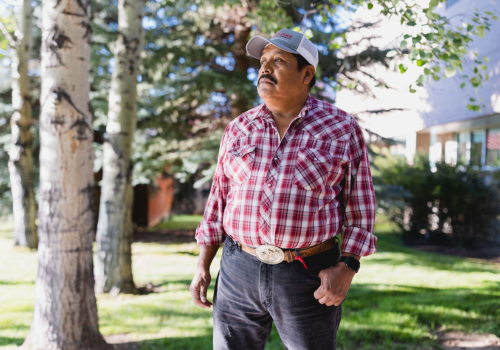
250, 295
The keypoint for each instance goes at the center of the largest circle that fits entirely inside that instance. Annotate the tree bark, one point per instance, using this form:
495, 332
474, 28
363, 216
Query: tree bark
20, 153
65, 316
114, 229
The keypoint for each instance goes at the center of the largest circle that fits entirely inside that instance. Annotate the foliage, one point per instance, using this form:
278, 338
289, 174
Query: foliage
196, 77
438, 43
446, 204
397, 300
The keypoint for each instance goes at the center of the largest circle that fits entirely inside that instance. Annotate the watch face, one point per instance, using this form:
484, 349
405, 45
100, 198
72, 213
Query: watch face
351, 263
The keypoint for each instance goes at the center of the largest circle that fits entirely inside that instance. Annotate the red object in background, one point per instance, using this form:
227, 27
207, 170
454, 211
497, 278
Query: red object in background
160, 201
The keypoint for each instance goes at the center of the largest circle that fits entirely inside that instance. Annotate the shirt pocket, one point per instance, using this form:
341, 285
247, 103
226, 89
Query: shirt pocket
317, 169
239, 163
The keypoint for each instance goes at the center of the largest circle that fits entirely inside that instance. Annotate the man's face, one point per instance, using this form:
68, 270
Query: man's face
279, 76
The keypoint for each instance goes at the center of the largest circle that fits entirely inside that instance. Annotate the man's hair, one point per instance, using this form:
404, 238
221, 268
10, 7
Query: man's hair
302, 62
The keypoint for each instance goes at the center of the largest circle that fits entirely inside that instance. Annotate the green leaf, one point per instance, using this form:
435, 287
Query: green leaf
495, 18
488, 13
412, 90
422, 79
462, 85
433, 4
403, 44
473, 107
436, 69
420, 63
425, 55
413, 23
483, 67
370, 6
486, 59
402, 68
413, 54
449, 72
427, 71
391, 53
394, 2
429, 36
480, 31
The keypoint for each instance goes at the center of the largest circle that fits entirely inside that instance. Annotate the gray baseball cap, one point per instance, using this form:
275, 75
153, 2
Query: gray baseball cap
287, 40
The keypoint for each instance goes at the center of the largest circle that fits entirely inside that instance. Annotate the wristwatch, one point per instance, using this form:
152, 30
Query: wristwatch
350, 262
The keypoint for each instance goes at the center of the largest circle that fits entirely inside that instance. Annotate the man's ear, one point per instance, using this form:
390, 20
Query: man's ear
309, 74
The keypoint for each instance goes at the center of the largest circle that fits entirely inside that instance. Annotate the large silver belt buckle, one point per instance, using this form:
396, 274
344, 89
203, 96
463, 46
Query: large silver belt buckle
269, 254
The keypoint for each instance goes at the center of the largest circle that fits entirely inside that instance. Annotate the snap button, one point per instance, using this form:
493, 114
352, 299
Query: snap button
268, 185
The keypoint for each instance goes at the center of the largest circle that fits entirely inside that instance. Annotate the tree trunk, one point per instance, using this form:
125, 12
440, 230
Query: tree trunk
65, 315
20, 154
114, 229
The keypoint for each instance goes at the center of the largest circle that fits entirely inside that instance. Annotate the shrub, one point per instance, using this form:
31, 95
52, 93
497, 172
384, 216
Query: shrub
454, 205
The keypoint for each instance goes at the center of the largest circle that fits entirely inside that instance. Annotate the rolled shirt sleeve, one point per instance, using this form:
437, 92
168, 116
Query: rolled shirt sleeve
358, 199
210, 230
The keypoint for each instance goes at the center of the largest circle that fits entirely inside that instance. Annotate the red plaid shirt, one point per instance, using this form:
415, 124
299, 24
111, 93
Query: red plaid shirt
296, 192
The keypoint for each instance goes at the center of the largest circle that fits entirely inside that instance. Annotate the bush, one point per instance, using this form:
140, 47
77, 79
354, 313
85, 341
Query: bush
453, 205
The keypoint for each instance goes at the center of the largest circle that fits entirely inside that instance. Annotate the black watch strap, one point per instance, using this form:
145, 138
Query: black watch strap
350, 262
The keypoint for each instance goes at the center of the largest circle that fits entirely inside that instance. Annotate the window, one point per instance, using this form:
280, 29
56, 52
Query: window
476, 148
463, 147
493, 147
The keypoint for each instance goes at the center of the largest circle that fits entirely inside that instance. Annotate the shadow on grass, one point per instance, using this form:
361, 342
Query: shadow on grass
405, 313
8, 341
391, 243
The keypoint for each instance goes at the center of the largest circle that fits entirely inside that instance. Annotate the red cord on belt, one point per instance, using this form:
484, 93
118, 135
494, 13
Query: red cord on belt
299, 258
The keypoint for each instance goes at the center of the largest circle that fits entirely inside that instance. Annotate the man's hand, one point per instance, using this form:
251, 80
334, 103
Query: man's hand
335, 282
202, 278
199, 287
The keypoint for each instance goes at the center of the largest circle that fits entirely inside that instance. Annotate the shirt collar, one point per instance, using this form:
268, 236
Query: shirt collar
304, 112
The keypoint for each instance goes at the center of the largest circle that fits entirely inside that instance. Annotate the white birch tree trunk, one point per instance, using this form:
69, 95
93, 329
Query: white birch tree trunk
114, 229
20, 153
65, 315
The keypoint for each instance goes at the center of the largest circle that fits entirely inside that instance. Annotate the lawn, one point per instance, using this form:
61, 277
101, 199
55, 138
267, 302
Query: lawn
398, 299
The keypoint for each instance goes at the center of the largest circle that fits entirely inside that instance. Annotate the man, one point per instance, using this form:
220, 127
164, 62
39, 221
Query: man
290, 174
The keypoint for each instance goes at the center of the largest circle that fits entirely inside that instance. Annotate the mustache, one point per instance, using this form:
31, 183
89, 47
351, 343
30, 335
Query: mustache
268, 76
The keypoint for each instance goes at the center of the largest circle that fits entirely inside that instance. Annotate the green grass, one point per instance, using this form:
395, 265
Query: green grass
179, 222
398, 298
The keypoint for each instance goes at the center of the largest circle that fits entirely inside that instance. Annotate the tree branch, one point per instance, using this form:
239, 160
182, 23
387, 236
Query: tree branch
10, 38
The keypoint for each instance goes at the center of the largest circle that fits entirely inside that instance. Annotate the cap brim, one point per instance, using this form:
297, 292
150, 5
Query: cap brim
256, 45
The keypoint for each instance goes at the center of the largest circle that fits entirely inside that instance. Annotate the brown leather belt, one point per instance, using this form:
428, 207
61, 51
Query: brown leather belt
290, 255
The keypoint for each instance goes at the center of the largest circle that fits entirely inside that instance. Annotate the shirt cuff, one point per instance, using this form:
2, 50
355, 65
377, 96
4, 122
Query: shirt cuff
210, 233
358, 241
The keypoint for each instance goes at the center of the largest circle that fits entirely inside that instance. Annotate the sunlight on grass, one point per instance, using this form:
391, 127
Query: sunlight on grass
399, 296
179, 222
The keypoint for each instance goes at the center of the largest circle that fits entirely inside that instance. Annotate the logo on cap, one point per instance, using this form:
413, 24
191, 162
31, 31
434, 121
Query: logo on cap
283, 35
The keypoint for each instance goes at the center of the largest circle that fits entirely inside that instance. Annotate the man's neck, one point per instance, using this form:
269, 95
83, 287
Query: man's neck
287, 111
284, 113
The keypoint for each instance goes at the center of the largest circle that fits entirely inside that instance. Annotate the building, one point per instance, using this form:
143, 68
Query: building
434, 120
